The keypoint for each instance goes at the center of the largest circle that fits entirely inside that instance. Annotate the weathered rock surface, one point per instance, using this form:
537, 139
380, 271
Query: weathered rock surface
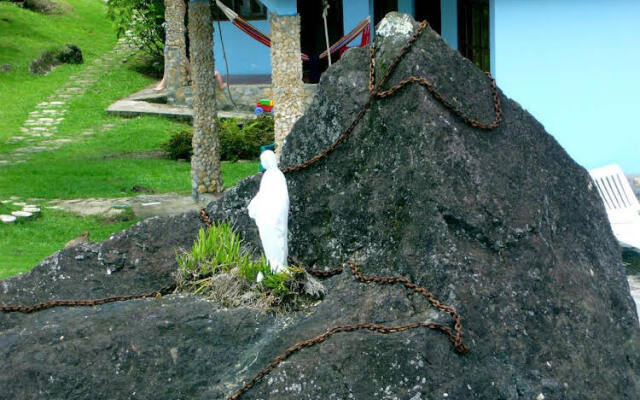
501, 224
70, 54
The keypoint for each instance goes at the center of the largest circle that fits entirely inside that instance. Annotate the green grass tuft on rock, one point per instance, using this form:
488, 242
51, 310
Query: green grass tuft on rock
218, 267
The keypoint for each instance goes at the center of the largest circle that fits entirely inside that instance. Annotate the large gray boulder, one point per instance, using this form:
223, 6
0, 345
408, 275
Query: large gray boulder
501, 224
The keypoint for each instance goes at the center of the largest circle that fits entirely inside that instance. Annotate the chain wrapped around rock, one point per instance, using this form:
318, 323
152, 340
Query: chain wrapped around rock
375, 91
455, 334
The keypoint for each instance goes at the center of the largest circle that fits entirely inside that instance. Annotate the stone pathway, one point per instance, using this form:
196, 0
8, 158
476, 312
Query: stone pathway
128, 107
143, 206
40, 131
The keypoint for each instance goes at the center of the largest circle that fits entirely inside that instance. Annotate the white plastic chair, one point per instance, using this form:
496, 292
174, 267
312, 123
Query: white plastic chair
621, 204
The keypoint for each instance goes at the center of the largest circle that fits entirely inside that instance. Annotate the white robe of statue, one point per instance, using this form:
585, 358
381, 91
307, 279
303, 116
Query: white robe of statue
270, 210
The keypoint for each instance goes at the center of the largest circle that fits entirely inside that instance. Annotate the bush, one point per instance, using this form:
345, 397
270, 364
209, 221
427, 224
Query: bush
239, 139
70, 54
41, 6
179, 146
43, 64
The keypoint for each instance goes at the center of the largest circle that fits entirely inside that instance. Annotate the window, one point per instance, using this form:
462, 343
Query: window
246, 9
473, 32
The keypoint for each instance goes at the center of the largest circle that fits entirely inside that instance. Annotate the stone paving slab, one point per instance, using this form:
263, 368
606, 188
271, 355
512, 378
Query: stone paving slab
150, 94
128, 107
144, 206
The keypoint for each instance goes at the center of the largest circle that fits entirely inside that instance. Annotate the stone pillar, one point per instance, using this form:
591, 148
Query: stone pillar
286, 75
206, 176
176, 68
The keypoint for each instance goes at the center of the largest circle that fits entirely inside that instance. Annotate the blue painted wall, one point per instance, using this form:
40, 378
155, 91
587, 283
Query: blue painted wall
449, 18
245, 55
354, 11
574, 66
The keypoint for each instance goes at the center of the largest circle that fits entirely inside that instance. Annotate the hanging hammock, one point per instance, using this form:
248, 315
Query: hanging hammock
362, 27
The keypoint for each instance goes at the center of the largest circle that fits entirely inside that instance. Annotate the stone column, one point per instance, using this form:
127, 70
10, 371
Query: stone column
176, 68
206, 176
286, 75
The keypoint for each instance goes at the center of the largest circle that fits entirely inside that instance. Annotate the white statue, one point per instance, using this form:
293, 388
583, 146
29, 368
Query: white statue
270, 210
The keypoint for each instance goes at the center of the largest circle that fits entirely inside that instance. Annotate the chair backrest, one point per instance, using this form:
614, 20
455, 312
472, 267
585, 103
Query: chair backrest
614, 189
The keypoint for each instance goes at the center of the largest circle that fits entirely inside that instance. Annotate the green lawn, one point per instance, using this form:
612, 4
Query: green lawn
24, 244
120, 154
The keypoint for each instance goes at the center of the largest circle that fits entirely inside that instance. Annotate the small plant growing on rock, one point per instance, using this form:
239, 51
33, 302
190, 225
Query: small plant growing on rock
218, 267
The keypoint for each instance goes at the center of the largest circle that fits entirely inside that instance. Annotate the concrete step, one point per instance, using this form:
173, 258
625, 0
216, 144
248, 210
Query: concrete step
132, 108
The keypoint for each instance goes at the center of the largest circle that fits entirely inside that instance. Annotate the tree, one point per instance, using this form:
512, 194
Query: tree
144, 18
206, 176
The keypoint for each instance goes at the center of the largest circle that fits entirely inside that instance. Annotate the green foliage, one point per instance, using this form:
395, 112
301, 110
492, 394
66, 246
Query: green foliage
283, 285
178, 147
218, 251
240, 139
145, 19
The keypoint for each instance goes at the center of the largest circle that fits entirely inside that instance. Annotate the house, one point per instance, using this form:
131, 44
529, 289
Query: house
571, 64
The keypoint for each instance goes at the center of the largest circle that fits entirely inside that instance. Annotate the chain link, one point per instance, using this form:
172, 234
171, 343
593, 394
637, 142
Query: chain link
455, 334
377, 92
83, 303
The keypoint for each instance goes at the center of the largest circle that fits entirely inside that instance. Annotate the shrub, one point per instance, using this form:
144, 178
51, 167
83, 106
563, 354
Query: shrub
41, 6
43, 64
70, 54
239, 139
179, 145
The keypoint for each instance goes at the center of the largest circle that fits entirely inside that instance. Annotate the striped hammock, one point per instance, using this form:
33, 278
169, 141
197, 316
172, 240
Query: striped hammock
362, 27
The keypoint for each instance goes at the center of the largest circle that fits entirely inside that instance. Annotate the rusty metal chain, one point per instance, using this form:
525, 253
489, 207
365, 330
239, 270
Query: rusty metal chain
376, 92
455, 334
83, 303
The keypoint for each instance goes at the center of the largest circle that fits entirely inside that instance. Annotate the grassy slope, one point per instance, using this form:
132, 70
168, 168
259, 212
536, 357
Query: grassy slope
107, 164
24, 35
